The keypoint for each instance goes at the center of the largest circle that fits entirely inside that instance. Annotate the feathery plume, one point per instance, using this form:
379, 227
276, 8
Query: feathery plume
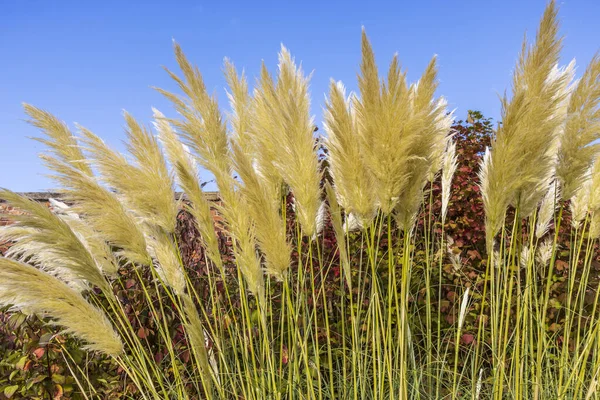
353, 181
547, 208
463, 309
381, 119
402, 131
443, 125
241, 230
593, 186
145, 188
531, 120
320, 222
189, 181
28, 289
352, 223
260, 133
43, 238
453, 254
479, 384
261, 196
592, 189
269, 228
494, 209
578, 146
163, 251
242, 111
100, 209
287, 135
59, 139
448, 169
429, 122
101, 252
202, 127
525, 257
543, 256
580, 202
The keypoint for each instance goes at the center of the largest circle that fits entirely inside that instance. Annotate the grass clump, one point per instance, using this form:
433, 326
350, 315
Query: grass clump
336, 273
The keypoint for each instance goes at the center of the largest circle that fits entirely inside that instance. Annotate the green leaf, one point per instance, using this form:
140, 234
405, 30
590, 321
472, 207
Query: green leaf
21, 363
10, 390
45, 339
16, 320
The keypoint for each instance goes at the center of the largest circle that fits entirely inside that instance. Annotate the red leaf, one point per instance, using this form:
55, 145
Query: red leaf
39, 352
142, 333
467, 338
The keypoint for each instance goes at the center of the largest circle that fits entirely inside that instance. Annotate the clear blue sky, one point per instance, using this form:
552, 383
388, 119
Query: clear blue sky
86, 61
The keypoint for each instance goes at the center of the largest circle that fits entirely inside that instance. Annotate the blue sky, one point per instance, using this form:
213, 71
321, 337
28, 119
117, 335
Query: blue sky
86, 61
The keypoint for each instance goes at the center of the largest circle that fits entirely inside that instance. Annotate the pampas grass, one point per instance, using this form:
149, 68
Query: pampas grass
449, 165
531, 120
34, 291
582, 129
269, 318
43, 238
354, 182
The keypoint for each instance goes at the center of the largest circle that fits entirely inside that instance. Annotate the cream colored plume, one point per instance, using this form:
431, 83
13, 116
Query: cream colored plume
269, 227
261, 195
449, 165
100, 210
354, 184
103, 212
189, 181
381, 118
321, 219
582, 199
579, 147
202, 127
543, 256
241, 116
521, 159
443, 125
94, 242
166, 261
454, 255
28, 289
402, 131
258, 137
44, 239
241, 230
463, 309
197, 339
146, 188
526, 257
283, 126
352, 223
592, 189
59, 139
431, 122
547, 208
